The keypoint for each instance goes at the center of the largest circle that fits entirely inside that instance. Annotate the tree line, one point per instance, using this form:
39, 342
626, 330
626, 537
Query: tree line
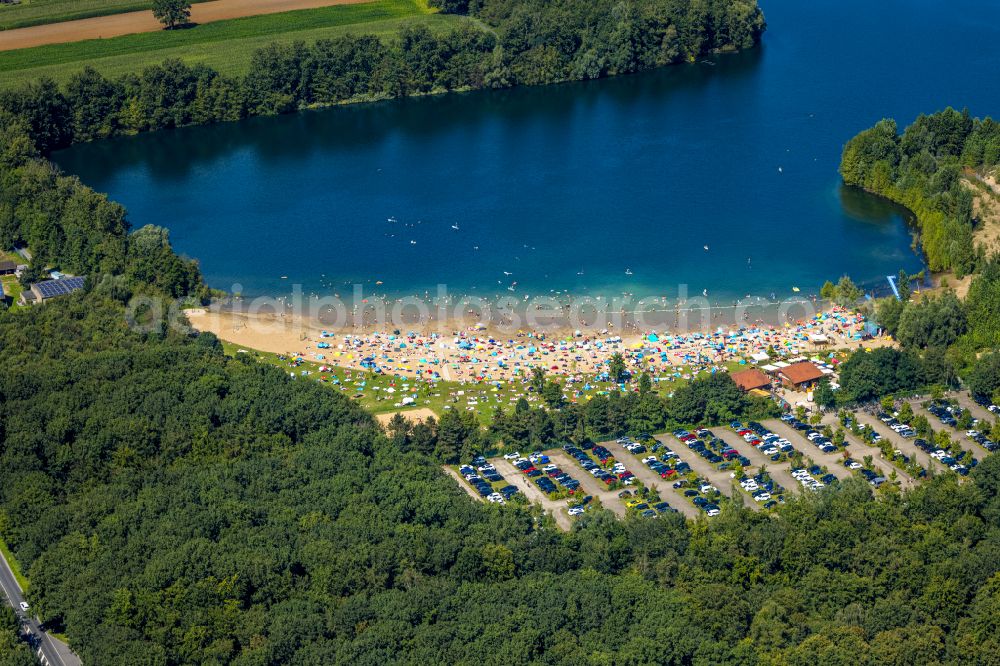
528, 42
922, 169
457, 436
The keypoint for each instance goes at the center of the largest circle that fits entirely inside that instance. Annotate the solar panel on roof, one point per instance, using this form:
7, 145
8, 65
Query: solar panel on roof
53, 288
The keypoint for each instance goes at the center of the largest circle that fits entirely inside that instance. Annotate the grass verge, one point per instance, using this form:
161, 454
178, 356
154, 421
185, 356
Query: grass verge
227, 46
14, 565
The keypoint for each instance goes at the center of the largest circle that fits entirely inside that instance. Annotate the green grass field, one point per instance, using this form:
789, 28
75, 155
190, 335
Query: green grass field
369, 389
39, 12
225, 45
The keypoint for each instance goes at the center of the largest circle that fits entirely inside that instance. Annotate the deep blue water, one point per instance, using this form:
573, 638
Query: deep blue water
635, 173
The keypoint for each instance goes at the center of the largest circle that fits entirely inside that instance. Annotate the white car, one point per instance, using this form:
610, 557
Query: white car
972, 433
762, 497
712, 513
854, 464
706, 488
549, 467
511, 456
576, 511
25, 606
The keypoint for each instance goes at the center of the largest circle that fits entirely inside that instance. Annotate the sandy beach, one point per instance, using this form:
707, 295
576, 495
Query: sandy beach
473, 354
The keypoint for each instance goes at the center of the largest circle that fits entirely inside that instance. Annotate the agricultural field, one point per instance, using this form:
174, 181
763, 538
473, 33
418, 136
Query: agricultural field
39, 12
226, 46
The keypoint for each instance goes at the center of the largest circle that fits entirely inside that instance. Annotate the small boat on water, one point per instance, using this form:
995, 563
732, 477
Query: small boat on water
628, 271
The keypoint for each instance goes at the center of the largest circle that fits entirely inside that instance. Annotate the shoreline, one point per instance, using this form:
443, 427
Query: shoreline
478, 353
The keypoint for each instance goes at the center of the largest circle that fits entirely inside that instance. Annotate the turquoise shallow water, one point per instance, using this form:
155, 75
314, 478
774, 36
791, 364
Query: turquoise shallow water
595, 188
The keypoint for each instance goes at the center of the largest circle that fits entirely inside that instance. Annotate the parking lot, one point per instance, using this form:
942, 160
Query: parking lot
691, 472
721, 479
899, 442
590, 485
652, 480
957, 434
777, 470
833, 462
556, 508
858, 450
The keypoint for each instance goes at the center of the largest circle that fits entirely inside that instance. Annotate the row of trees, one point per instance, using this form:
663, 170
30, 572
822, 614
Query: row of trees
457, 436
922, 169
524, 43
171, 505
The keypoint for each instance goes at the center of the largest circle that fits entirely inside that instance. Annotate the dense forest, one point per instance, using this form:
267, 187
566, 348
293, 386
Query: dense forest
172, 505
921, 169
523, 42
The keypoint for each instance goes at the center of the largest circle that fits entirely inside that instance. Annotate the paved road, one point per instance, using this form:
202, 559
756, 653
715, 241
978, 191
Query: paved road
899, 442
778, 471
48, 650
706, 470
859, 450
834, 462
591, 486
532, 492
652, 480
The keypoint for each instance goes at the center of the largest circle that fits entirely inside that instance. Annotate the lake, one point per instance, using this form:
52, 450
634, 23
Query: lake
593, 188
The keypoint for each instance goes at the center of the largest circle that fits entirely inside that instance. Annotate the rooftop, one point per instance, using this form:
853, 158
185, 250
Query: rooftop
799, 373
750, 379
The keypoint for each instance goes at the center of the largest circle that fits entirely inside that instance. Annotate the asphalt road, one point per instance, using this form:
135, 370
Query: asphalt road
49, 651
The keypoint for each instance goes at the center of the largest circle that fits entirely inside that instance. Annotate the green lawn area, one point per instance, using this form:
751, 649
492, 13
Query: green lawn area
14, 566
224, 45
369, 389
38, 12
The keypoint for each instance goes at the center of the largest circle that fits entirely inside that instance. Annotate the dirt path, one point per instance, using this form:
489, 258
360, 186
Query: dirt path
532, 492
115, 25
463, 483
779, 472
412, 415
